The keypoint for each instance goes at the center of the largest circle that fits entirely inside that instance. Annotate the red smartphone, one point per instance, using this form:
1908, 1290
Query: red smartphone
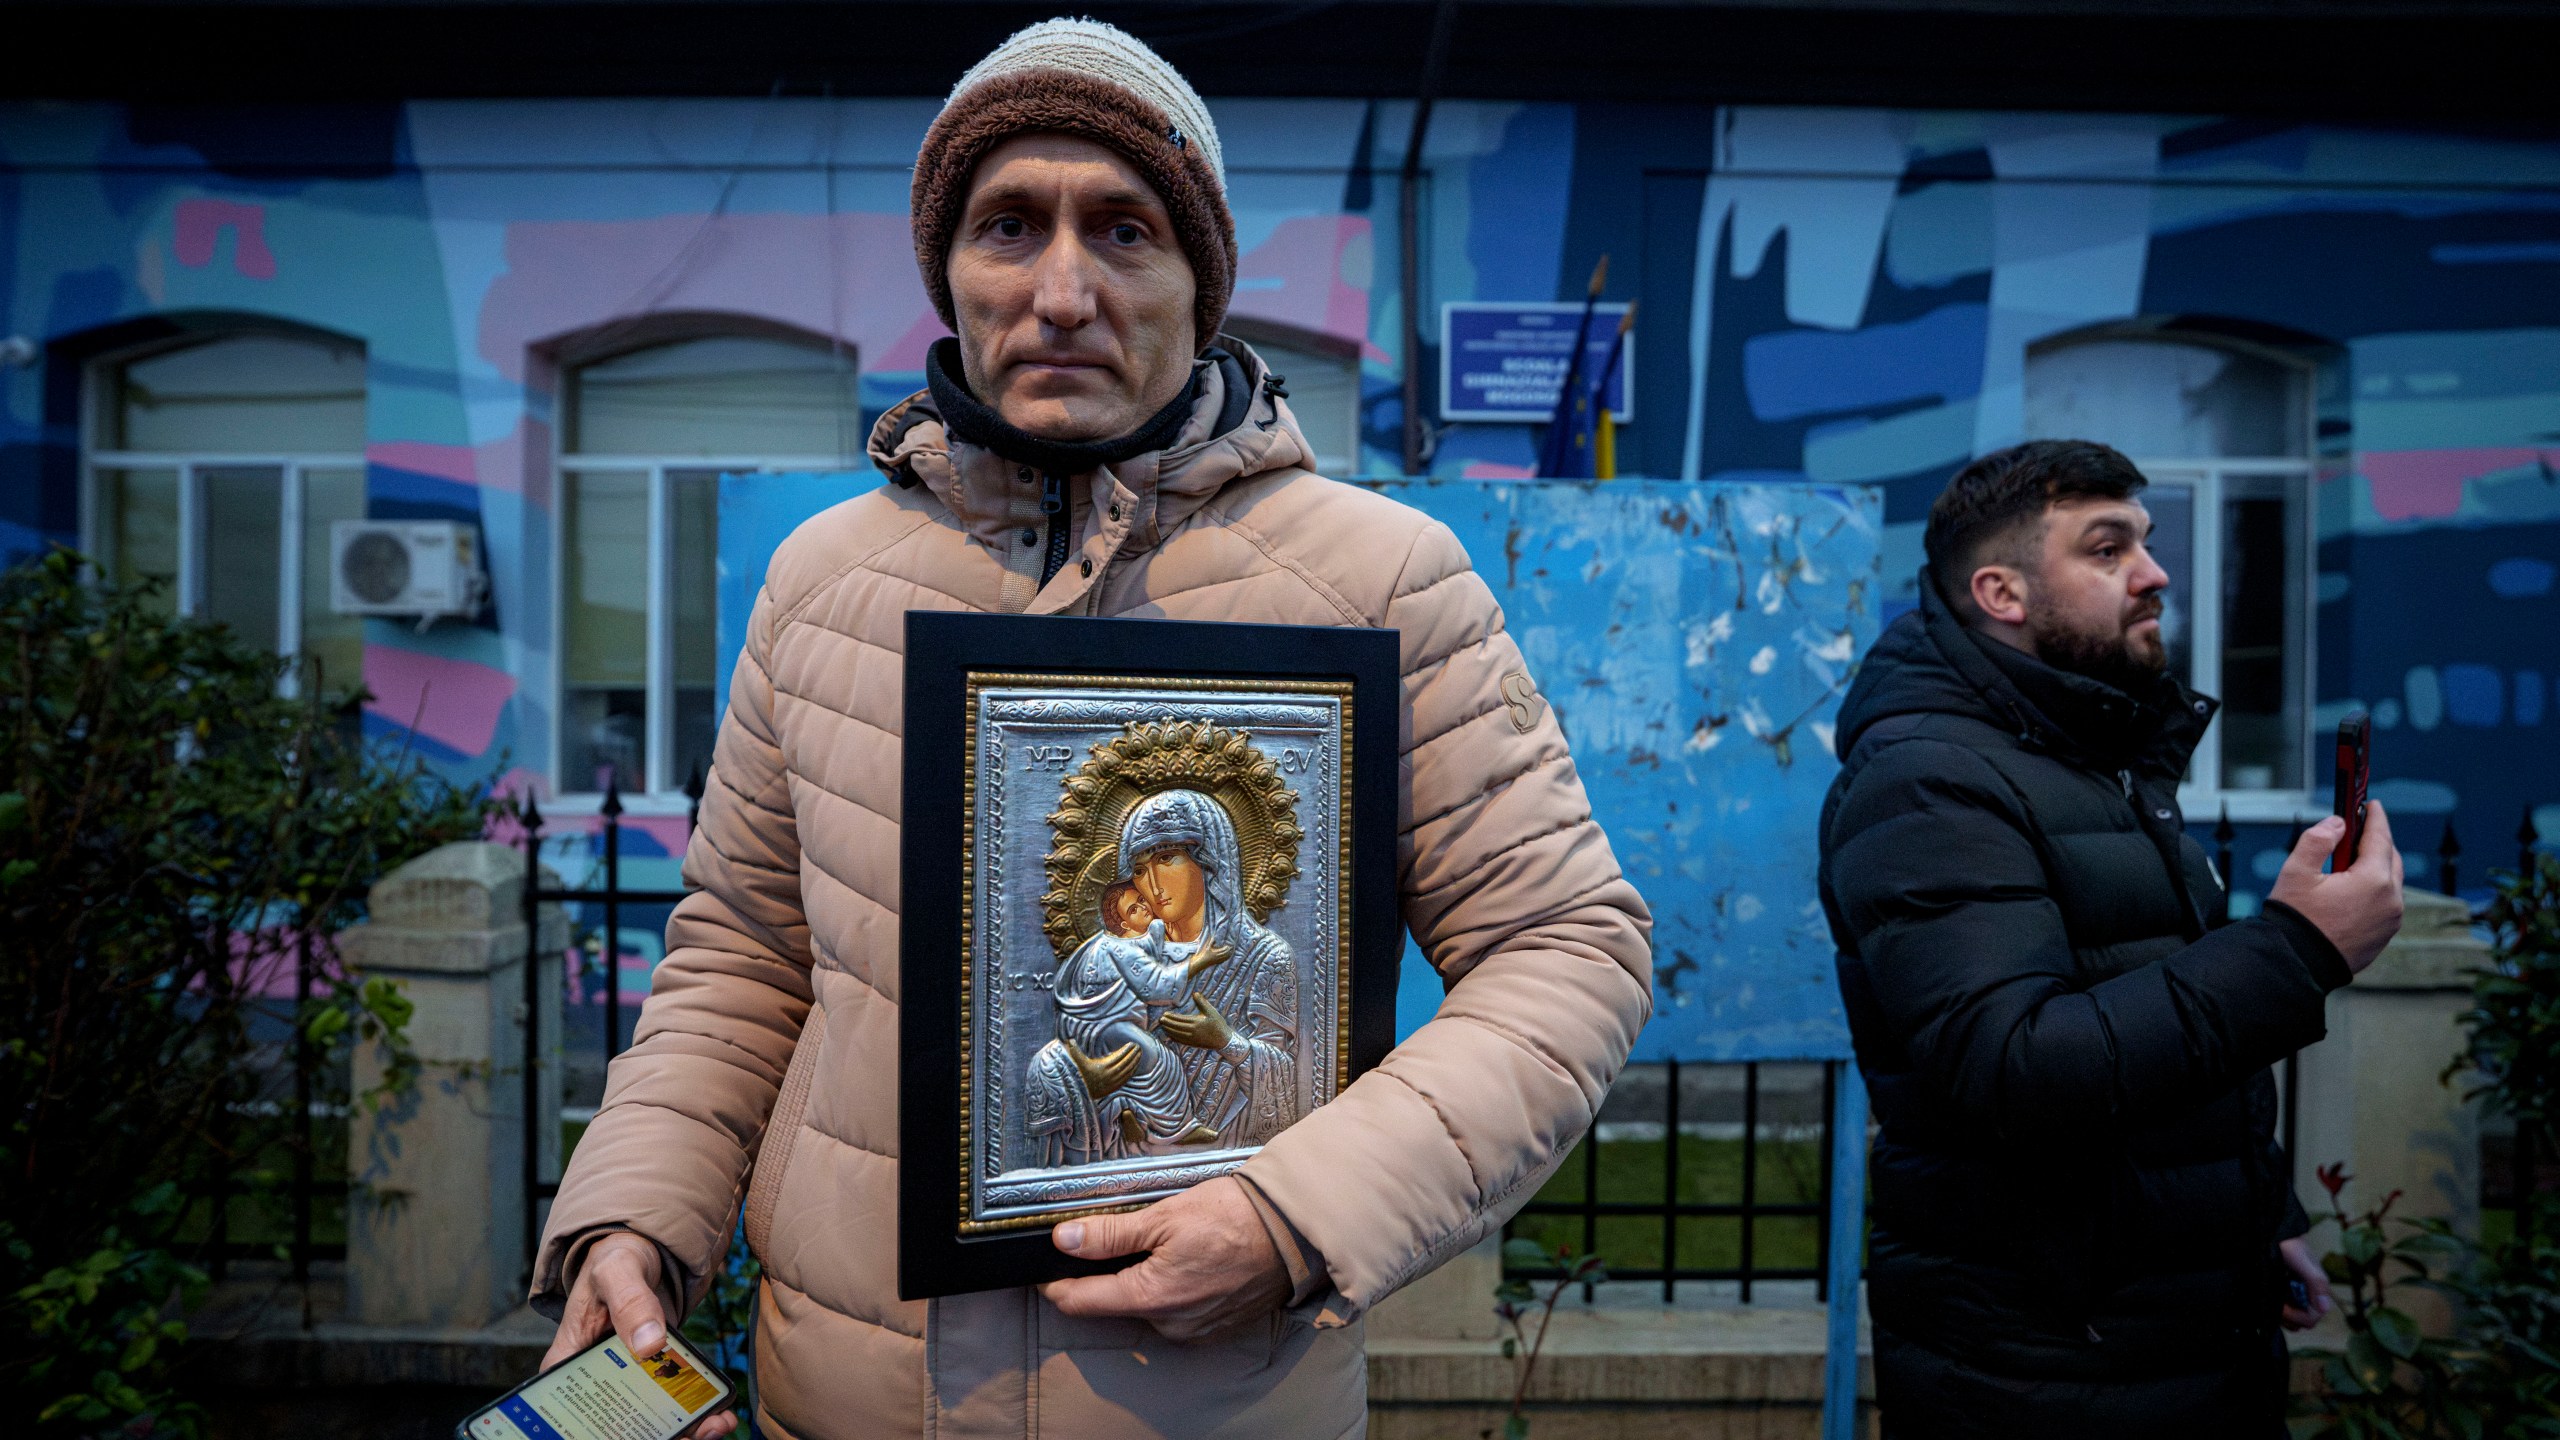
2355, 772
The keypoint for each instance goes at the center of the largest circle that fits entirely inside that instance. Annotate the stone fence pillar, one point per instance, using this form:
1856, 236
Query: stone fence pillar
435, 1216
2372, 1094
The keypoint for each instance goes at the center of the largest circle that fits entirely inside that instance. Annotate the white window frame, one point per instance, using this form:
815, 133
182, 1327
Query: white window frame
97, 540
2202, 795
662, 790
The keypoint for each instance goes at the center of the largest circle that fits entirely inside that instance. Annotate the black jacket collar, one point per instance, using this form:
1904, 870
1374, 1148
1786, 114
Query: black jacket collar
971, 420
1929, 662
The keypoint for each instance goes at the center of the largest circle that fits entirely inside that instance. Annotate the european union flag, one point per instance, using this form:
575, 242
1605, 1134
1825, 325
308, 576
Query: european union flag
1567, 451
1580, 441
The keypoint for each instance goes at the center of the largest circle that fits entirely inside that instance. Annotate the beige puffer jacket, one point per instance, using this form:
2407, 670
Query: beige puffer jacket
768, 1046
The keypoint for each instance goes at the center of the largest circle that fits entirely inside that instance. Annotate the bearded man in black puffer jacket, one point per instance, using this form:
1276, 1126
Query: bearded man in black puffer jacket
2084, 1226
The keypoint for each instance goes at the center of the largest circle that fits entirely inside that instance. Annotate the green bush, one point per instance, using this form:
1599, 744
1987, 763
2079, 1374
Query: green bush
175, 830
2495, 1376
2513, 1026
2498, 1373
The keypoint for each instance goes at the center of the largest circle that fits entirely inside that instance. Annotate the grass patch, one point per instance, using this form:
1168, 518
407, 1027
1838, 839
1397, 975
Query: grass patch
1790, 1172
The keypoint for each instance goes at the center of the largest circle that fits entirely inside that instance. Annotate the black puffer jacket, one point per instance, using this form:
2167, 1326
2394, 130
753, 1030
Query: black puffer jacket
2078, 1191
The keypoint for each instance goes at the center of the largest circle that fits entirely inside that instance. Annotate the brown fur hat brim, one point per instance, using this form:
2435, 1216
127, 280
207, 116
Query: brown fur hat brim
1068, 102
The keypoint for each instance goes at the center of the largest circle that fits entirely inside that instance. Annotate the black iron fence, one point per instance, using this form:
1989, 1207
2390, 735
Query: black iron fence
2448, 848
1710, 1200
1589, 1204
609, 899
280, 1083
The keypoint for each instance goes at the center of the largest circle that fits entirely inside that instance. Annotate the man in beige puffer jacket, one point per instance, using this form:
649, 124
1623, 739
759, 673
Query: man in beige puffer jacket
1086, 447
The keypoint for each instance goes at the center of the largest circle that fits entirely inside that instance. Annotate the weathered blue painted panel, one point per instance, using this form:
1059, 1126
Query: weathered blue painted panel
1695, 639
758, 513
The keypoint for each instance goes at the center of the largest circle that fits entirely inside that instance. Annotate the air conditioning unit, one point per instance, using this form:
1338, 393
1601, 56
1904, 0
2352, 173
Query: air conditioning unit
426, 568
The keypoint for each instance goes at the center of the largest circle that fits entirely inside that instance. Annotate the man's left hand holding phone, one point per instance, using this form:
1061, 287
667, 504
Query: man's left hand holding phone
613, 1372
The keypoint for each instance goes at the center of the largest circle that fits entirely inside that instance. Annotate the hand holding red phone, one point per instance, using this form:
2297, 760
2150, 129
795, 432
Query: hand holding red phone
2358, 907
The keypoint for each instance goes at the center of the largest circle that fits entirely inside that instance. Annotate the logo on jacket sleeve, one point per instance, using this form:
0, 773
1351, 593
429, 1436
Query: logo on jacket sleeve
1520, 693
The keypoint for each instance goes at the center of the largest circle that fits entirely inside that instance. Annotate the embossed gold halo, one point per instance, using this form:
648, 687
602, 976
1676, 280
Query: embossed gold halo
1152, 756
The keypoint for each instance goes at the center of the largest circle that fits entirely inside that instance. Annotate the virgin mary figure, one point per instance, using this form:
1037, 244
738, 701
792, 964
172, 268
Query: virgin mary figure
1234, 1044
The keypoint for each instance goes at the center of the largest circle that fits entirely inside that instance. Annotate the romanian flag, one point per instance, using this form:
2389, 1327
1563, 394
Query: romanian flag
1604, 438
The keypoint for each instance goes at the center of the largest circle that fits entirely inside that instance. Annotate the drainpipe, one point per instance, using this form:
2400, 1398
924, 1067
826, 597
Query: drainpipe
1409, 223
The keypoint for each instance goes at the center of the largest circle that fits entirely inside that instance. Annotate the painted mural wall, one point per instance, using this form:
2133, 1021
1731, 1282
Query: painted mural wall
1839, 297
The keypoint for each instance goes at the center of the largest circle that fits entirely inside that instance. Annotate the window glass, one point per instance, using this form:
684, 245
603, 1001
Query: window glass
1324, 395
2173, 544
2155, 399
243, 538
753, 402
605, 629
141, 526
2262, 718
242, 395
727, 395
332, 644
695, 500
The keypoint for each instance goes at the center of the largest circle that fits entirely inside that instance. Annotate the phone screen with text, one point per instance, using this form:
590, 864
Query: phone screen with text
606, 1393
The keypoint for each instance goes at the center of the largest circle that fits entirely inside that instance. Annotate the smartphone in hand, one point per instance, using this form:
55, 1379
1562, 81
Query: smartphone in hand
2355, 773
605, 1392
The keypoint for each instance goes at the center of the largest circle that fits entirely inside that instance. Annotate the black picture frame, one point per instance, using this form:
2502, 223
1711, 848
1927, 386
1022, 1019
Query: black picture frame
944, 649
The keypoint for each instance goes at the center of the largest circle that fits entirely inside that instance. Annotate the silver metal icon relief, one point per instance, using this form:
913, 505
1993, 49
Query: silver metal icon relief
1156, 913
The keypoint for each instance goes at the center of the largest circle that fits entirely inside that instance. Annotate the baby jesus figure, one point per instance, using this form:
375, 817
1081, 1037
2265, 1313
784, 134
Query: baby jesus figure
1112, 992
1126, 911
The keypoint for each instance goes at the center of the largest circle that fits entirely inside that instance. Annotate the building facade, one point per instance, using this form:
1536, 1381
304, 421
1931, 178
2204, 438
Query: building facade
556, 323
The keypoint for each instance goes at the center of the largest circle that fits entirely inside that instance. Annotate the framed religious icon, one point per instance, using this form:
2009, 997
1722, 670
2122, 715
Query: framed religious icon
1148, 916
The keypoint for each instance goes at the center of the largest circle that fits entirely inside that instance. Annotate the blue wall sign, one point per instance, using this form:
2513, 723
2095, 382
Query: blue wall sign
1507, 362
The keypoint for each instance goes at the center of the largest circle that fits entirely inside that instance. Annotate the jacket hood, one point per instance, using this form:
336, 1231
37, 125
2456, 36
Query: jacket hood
1240, 426
1928, 662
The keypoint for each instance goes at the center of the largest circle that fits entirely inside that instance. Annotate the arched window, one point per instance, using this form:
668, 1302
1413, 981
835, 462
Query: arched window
216, 464
2224, 433
646, 433
1323, 377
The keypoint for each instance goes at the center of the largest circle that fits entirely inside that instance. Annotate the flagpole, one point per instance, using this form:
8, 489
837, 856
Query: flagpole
1604, 430
1552, 455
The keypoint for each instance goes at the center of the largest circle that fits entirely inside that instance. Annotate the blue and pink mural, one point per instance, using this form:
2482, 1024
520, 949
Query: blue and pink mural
1832, 297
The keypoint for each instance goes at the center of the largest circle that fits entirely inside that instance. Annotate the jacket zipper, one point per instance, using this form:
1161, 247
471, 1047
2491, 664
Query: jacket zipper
2170, 854
1053, 503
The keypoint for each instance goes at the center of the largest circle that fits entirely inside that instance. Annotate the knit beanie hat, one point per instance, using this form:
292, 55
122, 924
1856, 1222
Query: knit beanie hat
1096, 82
